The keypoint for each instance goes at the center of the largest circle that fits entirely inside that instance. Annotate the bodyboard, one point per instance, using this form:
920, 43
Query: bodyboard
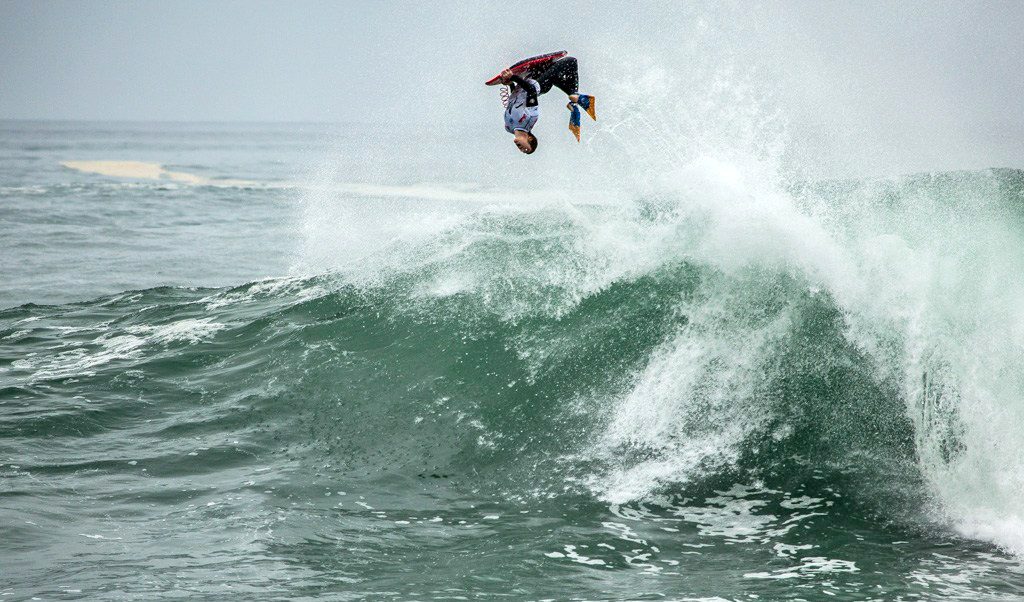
529, 66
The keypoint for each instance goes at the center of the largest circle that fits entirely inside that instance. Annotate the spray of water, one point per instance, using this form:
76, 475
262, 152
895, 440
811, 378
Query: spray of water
920, 268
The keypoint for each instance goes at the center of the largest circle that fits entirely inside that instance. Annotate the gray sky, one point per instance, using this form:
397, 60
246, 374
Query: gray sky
939, 77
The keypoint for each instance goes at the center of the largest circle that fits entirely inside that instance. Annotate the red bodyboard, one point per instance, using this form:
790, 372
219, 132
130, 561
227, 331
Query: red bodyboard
532, 64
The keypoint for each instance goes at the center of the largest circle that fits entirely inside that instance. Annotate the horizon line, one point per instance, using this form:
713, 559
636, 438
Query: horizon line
237, 121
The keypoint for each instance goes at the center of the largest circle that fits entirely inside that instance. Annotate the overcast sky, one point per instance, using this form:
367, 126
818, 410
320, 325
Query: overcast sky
913, 72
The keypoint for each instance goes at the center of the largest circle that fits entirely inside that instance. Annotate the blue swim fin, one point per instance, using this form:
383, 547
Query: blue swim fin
574, 122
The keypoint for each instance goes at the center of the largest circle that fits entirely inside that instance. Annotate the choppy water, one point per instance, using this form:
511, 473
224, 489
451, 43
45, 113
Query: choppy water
357, 384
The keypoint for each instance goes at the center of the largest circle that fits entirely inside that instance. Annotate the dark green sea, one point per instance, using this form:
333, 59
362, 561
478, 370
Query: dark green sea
313, 368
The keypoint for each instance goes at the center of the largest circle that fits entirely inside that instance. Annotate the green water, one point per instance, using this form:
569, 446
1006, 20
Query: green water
730, 389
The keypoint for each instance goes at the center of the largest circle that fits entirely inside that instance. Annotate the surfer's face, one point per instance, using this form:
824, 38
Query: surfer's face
523, 142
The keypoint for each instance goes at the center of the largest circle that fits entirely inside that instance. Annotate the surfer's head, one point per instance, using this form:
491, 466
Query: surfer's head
525, 141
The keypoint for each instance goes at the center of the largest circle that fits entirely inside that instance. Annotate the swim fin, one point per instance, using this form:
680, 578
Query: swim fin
574, 121
589, 104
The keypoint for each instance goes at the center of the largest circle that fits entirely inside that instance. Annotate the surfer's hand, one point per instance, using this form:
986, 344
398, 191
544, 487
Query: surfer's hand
506, 75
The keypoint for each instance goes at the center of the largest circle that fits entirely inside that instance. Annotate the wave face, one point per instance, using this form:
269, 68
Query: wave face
725, 386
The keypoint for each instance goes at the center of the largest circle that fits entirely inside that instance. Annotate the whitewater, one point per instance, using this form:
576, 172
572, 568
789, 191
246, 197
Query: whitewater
270, 361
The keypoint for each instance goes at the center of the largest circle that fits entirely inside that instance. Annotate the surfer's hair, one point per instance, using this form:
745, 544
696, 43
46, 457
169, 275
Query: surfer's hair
533, 142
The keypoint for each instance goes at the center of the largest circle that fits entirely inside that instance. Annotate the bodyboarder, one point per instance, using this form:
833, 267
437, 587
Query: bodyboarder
522, 109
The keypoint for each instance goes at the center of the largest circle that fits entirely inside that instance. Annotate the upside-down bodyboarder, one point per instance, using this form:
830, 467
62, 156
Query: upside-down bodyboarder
522, 109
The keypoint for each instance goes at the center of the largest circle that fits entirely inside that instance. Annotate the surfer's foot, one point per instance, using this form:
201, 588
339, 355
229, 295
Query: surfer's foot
589, 105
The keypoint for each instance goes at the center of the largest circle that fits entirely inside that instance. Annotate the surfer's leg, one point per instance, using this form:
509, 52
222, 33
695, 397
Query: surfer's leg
563, 74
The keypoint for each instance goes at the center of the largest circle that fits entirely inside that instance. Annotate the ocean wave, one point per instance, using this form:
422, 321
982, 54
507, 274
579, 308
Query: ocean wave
815, 343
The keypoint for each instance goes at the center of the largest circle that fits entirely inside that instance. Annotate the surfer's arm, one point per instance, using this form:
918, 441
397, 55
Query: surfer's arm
531, 92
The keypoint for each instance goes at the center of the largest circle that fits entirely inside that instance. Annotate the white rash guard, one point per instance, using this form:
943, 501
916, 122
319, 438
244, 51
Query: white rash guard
520, 115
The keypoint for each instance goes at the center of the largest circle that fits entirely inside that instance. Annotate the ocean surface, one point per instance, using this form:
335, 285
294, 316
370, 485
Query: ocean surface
294, 361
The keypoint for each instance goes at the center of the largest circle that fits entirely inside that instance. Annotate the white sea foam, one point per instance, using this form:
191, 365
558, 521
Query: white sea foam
84, 359
299, 289
191, 330
140, 170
